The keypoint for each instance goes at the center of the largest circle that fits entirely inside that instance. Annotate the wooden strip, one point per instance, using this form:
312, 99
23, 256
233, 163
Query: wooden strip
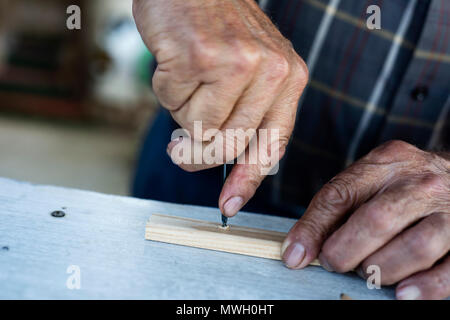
209, 235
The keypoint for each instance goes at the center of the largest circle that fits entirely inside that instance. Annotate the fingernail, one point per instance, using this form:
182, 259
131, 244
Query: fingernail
285, 244
324, 263
293, 255
408, 293
232, 206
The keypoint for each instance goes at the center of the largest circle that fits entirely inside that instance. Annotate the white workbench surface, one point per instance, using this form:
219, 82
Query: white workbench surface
104, 236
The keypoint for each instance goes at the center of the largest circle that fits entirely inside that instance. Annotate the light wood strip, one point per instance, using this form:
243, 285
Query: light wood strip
209, 235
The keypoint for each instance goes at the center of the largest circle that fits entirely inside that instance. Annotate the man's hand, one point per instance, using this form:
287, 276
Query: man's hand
390, 209
223, 63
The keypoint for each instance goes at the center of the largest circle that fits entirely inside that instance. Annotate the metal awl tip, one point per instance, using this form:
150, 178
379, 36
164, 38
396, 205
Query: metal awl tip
224, 221
224, 218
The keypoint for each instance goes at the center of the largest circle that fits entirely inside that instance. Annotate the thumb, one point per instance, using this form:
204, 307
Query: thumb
239, 188
261, 158
328, 209
250, 170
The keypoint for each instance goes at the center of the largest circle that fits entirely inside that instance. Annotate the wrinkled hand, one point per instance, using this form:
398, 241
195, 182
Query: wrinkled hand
390, 209
226, 64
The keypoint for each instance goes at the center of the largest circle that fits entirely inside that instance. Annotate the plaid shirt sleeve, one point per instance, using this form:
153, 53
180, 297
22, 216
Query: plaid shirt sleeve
366, 86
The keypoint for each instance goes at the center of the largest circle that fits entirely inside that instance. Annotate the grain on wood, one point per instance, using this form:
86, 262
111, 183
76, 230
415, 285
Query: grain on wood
209, 235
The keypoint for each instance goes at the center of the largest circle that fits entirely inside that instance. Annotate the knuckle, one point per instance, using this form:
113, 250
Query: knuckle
283, 141
156, 83
246, 58
438, 226
204, 53
210, 121
397, 145
279, 67
419, 247
161, 93
253, 181
301, 73
391, 150
431, 183
422, 246
334, 259
335, 194
281, 151
376, 217
314, 229
158, 89
333, 190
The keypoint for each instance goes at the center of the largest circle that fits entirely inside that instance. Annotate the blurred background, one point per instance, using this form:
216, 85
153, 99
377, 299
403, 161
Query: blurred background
74, 104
